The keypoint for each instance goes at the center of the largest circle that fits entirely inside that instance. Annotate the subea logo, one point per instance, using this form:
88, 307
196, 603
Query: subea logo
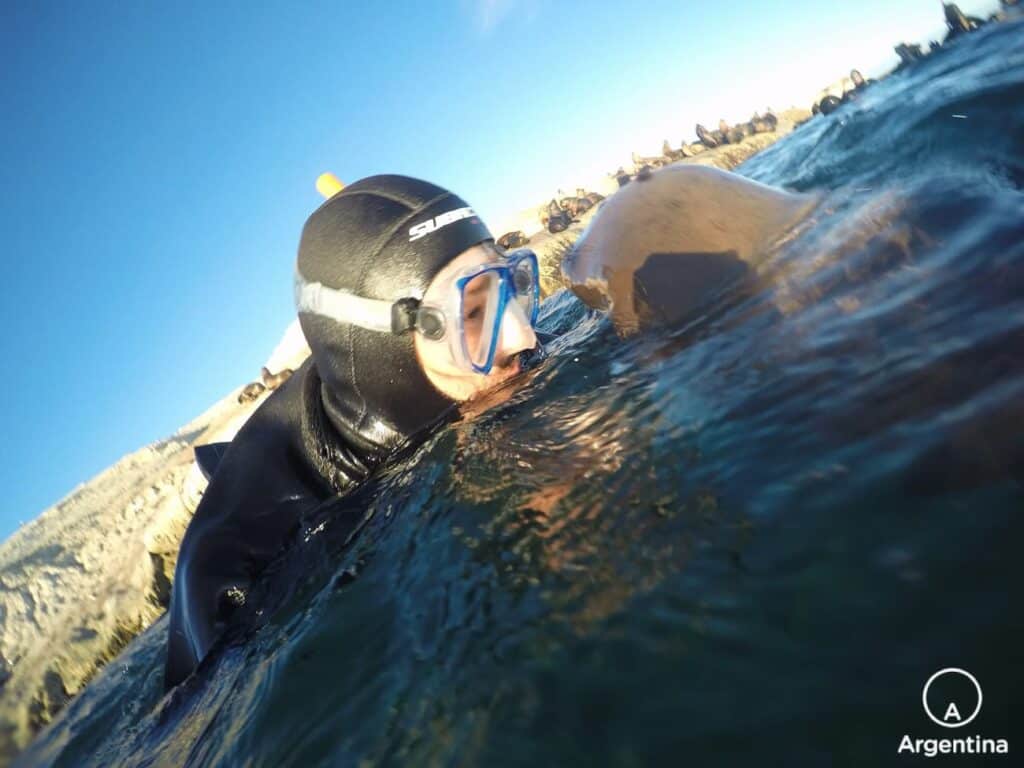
431, 225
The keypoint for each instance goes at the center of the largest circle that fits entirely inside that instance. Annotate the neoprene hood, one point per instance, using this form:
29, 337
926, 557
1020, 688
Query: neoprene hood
384, 237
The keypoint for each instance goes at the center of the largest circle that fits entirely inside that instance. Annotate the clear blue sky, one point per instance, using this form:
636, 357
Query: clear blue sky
159, 163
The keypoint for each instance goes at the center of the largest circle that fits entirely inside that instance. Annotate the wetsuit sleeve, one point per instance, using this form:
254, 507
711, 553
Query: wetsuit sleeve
250, 511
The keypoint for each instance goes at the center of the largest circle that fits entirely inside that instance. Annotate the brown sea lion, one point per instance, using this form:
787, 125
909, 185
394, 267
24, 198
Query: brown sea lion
251, 392
671, 154
558, 219
739, 132
651, 162
706, 138
515, 239
559, 223
660, 248
274, 380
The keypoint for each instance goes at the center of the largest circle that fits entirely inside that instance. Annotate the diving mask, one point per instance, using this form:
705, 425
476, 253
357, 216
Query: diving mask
466, 312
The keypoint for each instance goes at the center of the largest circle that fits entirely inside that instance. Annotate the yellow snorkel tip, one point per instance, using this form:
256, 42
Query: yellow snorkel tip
328, 185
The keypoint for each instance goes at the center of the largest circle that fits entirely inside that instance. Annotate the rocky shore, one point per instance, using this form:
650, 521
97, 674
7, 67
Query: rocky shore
92, 571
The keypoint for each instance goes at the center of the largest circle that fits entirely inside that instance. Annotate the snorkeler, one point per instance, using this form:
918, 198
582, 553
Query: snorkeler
409, 308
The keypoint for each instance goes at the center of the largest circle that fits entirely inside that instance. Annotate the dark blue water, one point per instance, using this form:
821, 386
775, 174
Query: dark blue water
749, 540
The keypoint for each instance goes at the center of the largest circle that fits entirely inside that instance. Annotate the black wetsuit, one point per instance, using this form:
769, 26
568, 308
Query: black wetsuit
360, 398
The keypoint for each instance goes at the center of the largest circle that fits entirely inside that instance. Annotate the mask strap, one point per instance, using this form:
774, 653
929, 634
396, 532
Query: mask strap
342, 306
379, 315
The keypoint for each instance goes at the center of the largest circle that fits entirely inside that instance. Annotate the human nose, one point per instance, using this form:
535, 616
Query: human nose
516, 332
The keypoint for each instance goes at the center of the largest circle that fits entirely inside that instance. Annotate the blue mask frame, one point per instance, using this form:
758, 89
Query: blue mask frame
507, 289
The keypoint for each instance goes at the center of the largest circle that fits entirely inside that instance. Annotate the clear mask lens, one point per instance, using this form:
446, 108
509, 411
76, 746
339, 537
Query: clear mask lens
524, 280
481, 298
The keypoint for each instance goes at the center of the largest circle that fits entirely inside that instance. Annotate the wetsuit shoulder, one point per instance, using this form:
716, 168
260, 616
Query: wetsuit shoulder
265, 482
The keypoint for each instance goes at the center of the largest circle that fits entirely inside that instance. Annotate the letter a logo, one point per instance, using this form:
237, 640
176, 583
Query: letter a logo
952, 717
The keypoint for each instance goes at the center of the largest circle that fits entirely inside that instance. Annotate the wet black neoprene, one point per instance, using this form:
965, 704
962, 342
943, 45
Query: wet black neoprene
359, 398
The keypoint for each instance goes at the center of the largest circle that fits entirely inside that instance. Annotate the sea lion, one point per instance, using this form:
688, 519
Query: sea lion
739, 132
672, 154
829, 104
908, 53
766, 123
859, 84
957, 22
251, 392
653, 162
559, 223
274, 380
661, 248
706, 138
558, 220
515, 239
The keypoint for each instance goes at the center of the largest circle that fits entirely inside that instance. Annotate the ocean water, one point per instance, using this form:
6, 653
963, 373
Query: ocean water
749, 539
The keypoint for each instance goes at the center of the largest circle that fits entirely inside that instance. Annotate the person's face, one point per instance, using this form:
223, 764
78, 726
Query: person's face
515, 336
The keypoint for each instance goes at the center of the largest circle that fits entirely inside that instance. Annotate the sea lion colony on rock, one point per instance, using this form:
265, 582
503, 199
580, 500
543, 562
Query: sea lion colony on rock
706, 139
845, 89
735, 134
559, 215
957, 24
